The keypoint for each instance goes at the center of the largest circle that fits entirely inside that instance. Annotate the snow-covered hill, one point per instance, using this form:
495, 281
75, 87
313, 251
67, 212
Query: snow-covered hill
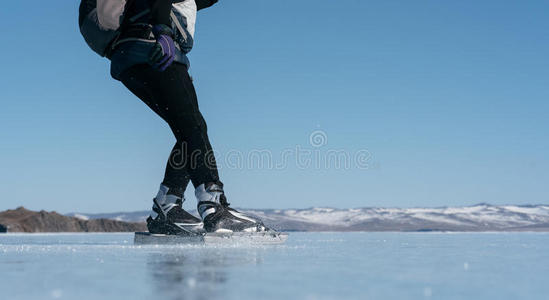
482, 217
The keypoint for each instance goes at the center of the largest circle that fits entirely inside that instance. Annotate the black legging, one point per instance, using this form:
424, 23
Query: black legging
172, 96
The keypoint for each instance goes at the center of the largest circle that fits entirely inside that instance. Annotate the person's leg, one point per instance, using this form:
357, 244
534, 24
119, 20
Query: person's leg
176, 176
172, 96
194, 152
167, 97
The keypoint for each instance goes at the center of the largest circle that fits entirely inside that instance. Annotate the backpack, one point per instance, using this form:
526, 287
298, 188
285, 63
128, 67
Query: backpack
183, 17
101, 21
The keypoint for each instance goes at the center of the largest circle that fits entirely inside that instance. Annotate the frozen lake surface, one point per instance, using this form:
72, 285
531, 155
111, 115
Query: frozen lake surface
309, 266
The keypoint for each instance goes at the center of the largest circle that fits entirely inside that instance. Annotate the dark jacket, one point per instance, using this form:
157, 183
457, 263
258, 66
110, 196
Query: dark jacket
136, 37
160, 9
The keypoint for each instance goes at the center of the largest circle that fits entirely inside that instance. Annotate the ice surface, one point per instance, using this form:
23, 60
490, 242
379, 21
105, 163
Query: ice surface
308, 266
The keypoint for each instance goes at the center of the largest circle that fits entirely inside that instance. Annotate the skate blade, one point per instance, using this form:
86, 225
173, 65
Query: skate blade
252, 238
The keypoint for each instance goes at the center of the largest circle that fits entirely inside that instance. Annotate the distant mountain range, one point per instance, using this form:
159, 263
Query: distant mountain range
481, 217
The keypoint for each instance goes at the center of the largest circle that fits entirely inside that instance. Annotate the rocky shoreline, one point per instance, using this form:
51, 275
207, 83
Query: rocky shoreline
24, 220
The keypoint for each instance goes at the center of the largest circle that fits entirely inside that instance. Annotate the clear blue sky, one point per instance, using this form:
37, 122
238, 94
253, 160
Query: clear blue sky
450, 98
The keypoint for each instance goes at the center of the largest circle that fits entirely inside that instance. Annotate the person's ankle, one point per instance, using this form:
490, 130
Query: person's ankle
209, 192
168, 194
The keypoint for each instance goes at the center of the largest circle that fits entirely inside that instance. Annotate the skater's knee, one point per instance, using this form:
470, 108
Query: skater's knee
187, 125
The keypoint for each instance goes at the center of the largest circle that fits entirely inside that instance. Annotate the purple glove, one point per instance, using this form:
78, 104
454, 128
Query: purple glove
163, 52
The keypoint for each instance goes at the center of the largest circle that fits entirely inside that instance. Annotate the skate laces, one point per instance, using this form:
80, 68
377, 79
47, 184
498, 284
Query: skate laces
163, 208
223, 201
